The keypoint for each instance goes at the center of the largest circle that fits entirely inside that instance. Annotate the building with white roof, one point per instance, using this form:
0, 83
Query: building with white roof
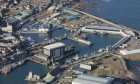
8, 37
101, 29
84, 79
130, 52
55, 15
55, 50
8, 28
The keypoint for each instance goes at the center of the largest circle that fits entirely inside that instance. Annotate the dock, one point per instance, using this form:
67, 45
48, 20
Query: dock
60, 38
7, 68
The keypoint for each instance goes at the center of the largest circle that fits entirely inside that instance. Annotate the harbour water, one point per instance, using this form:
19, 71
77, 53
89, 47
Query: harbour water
99, 41
17, 75
124, 12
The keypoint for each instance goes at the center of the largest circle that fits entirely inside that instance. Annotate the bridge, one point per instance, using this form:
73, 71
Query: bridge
124, 39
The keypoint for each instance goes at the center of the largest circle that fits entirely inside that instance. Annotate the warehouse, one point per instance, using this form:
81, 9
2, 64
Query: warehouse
84, 79
79, 70
130, 52
83, 68
101, 29
55, 50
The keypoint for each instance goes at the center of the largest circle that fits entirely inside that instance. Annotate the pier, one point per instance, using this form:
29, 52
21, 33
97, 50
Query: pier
98, 18
86, 42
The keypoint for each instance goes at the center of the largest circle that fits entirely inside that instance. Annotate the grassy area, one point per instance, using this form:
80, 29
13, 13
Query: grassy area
110, 67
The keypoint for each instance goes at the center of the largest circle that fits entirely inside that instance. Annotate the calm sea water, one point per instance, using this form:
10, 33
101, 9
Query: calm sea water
18, 75
124, 12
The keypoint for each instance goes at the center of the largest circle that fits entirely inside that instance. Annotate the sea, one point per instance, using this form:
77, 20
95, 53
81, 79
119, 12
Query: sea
125, 12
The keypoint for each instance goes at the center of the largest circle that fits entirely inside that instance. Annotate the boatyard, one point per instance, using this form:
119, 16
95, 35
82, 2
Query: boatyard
67, 63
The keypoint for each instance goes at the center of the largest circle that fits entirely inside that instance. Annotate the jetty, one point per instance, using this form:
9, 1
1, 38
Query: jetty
86, 42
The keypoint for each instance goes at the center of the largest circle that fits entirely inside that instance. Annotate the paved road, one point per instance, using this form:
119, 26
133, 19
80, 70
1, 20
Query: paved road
76, 63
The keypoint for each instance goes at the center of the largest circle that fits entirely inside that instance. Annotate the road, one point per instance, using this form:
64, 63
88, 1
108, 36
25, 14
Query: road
76, 63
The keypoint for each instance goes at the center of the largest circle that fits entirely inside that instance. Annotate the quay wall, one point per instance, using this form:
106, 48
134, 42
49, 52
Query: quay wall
32, 32
109, 22
98, 18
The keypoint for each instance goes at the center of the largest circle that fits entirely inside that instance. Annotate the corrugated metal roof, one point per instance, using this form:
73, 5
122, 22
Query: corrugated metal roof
55, 45
79, 70
128, 52
102, 27
83, 79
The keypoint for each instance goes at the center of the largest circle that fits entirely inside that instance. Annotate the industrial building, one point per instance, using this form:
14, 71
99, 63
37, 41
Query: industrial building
55, 50
101, 28
130, 52
37, 27
83, 68
79, 70
84, 79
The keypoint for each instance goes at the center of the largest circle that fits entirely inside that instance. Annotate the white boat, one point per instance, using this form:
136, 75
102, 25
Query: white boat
76, 57
101, 50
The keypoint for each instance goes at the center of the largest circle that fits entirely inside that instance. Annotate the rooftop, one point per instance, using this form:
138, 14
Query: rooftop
102, 27
127, 52
55, 45
83, 79
79, 70
7, 37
